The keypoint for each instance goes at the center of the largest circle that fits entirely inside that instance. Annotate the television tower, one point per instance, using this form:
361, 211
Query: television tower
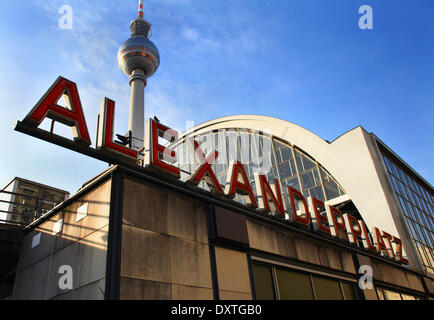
138, 58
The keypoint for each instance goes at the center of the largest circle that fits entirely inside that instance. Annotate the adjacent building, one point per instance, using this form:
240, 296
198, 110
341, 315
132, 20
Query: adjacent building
23, 201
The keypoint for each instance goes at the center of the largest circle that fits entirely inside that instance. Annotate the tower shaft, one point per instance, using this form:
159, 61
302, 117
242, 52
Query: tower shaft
138, 59
137, 109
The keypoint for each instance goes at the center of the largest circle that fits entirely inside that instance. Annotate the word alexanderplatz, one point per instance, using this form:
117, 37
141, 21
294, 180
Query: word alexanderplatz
323, 218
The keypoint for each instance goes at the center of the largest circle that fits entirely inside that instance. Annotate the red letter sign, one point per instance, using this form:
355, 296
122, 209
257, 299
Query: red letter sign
398, 250
320, 223
381, 247
389, 242
106, 129
337, 219
72, 117
266, 193
159, 152
205, 169
367, 243
295, 217
234, 185
355, 229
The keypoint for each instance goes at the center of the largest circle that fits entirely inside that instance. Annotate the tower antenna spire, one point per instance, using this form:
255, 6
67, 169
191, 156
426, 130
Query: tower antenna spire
140, 13
138, 59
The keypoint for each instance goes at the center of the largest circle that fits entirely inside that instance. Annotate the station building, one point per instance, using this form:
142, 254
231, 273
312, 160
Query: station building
242, 207
135, 233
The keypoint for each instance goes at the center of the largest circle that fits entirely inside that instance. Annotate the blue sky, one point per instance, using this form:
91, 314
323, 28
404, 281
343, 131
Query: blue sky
304, 61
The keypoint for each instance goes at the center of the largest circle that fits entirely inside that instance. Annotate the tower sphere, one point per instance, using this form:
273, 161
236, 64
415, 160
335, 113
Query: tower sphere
139, 52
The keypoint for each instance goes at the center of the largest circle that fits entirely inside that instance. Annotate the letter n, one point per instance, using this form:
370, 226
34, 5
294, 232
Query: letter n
237, 182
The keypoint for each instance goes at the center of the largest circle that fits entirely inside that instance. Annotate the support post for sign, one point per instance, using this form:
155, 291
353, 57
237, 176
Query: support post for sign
114, 241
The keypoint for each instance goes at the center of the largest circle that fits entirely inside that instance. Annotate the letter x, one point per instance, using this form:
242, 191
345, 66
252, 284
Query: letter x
204, 170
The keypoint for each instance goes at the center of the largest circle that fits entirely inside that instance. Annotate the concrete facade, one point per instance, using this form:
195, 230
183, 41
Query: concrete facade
82, 245
165, 253
175, 244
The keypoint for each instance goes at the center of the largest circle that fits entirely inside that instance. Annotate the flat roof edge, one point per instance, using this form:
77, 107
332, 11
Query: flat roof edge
84, 190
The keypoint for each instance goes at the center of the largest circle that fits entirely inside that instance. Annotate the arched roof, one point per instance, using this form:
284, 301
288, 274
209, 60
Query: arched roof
296, 135
347, 158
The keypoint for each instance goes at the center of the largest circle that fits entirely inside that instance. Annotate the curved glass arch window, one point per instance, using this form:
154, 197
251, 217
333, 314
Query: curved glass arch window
259, 152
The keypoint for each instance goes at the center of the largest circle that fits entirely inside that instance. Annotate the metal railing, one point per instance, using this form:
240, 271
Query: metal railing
21, 214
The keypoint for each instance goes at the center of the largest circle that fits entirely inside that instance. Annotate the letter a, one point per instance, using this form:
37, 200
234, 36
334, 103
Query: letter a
65, 281
71, 116
366, 21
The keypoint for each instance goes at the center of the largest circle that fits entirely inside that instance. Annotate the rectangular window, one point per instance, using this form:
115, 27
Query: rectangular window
298, 160
278, 156
325, 176
308, 164
403, 205
395, 185
294, 285
349, 291
275, 282
293, 183
285, 170
407, 297
327, 289
389, 294
386, 162
307, 179
293, 168
317, 193
332, 190
286, 153
263, 278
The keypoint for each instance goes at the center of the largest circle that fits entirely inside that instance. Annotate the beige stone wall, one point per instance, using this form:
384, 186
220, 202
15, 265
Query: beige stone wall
81, 245
283, 243
233, 275
165, 252
430, 284
392, 275
286, 244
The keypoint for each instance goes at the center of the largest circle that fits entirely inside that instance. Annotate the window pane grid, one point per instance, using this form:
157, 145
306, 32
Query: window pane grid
415, 201
259, 153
